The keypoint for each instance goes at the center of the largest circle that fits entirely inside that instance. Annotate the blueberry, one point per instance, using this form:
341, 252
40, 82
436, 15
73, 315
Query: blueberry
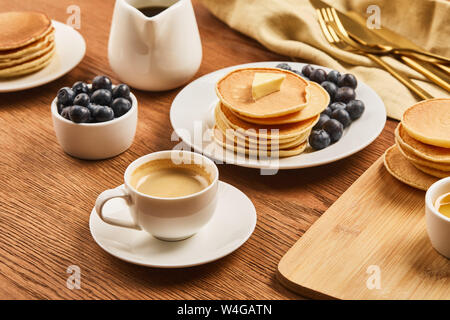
79, 114
121, 91
355, 109
322, 119
345, 94
318, 75
65, 96
80, 87
102, 97
334, 128
120, 106
284, 66
103, 113
81, 99
307, 70
101, 82
59, 107
92, 107
319, 139
327, 111
330, 87
336, 105
342, 116
65, 112
347, 80
333, 76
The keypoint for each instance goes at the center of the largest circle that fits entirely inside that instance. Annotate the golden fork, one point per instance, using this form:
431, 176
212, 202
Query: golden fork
364, 46
335, 36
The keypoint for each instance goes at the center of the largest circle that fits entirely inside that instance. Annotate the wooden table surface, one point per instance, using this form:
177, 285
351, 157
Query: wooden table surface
46, 196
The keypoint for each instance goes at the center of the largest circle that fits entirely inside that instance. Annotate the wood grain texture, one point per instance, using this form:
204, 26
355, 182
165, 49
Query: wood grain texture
379, 221
47, 196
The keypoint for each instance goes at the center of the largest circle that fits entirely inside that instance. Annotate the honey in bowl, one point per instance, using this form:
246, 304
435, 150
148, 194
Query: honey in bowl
442, 205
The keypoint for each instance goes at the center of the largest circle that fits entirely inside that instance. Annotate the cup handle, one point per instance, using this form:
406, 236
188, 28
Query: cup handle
107, 195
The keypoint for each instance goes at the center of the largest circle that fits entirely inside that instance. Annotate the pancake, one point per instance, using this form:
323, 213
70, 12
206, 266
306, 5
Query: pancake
235, 91
256, 130
422, 162
221, 140
14, 62
317, 102
400, 168
35, 46
432, 172
221, 121
252, 143
429, 122
422, 150
18, 29
28, 67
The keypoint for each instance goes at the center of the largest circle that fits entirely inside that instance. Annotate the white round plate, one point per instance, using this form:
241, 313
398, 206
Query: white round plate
70, 50
191, 116
231, 225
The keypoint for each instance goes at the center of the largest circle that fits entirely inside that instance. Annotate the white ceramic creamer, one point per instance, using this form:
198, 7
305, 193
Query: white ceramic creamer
155, 53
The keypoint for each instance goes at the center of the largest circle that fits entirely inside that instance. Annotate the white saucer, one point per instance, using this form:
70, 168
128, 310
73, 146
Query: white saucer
70, 50
192, 116
232, 224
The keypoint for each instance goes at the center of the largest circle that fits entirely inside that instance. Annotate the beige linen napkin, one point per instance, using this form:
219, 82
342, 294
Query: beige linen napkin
290, 27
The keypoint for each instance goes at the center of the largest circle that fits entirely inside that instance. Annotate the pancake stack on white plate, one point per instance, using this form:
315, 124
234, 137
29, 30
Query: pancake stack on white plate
27, 43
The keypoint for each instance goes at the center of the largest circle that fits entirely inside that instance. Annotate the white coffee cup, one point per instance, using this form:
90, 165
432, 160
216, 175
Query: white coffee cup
168, 219
438, 225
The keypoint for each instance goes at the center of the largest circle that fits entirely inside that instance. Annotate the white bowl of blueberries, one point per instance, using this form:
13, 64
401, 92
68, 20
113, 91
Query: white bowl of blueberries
95, 121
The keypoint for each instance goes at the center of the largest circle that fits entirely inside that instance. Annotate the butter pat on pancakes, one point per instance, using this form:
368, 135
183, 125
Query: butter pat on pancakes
266, 83
429, 122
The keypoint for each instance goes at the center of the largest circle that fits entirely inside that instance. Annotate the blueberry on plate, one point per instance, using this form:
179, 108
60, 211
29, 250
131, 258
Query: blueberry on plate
318, 75
334, 128
81, 99
103, 113
345, 94
102, 97
65, 96
322, 119
284, 66
65, 112
336, 105
347, 80
120, 106
342, 116
355, 109
121, 91
319, 139
327, 111
79, 114
307, 70
80, 87
330, 87
101, 82
333, 76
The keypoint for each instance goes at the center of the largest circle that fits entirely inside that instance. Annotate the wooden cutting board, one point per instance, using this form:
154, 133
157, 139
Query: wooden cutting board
370, 244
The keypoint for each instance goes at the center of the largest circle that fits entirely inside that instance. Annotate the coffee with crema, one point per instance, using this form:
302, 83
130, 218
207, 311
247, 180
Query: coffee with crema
165, 179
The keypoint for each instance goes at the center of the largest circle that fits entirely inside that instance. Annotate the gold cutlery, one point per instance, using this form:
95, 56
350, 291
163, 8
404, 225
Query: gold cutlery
337, 35
383, 38
402, 58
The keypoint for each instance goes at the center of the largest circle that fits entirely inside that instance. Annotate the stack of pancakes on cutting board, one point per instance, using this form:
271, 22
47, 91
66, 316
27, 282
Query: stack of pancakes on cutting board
26, 43
421, 155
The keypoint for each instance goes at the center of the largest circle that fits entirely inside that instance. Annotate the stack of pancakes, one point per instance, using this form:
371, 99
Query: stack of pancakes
277, 124
26, 43
421, 154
